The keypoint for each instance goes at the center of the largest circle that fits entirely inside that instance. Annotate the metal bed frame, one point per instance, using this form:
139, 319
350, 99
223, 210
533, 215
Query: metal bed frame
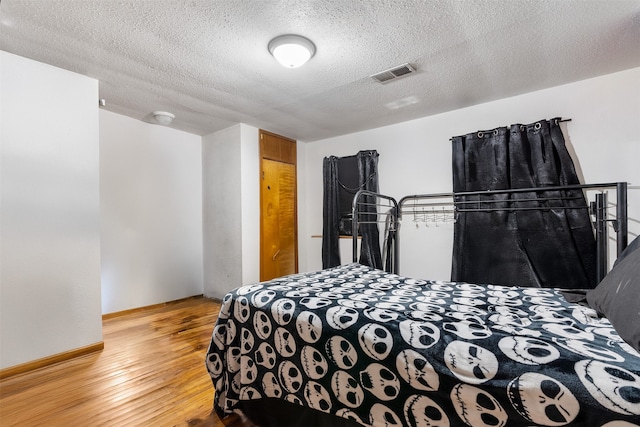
367, 206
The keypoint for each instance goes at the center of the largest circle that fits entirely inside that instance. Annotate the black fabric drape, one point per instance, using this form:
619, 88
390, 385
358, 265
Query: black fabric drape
370, 244
389, 249
548, 243
330, 213
486, 245
370, 254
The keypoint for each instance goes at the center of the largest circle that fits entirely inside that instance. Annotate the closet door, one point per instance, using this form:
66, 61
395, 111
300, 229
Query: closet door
278, 213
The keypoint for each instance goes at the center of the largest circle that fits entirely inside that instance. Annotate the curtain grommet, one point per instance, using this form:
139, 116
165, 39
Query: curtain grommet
480, 134
522, 128
495, 132
537, 126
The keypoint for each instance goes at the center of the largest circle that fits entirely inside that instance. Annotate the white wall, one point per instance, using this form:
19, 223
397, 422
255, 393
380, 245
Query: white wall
231, 205
415, 157
50, 219
250, 194
222, 209
151, 205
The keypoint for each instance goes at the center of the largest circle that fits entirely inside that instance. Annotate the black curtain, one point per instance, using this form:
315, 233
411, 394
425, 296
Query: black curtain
390, 233
538, 239
370, 244
330, 213
338, 192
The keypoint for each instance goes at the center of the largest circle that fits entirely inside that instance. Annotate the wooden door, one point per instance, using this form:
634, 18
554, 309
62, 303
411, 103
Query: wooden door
278, 213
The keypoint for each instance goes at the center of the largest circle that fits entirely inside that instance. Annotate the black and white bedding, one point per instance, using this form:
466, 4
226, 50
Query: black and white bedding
384, 350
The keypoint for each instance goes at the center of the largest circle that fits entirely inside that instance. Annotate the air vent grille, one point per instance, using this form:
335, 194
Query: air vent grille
393, 73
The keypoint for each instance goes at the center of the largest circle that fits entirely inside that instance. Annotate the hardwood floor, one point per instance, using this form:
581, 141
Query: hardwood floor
150, 373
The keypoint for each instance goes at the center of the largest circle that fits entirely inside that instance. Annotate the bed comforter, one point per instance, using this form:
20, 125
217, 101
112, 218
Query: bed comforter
384, 350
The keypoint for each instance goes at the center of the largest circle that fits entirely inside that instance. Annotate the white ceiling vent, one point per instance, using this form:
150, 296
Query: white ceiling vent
393, 73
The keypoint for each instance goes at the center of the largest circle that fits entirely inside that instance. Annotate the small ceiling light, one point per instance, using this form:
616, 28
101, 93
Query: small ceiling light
292, 50
163, 118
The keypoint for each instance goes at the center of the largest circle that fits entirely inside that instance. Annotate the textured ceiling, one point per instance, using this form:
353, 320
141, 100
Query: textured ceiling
207, 61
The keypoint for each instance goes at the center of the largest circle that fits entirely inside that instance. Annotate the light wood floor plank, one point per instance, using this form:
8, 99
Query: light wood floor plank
150, 373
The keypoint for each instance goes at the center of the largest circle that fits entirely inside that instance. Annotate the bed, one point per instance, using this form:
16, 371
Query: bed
357, 346
353, 345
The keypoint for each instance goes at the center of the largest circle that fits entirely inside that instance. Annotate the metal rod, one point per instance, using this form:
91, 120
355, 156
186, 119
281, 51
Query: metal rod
512, 190
372, 222
621, 217
557, 121
472, 202
601, 236
406, 199
535, 199
542, 208
533, 208
538, 189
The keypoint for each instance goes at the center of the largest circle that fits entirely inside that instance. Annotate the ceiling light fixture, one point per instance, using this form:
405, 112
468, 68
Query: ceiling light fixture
163, 118
292, 50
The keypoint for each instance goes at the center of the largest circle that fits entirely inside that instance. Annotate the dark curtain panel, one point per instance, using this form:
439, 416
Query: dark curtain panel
338, 192
348, 185
370, 244
486, 245
330, 213
389, 244
537, 241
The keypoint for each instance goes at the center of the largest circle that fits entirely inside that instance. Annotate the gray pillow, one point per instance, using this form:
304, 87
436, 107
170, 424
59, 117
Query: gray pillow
631, 247
617, 296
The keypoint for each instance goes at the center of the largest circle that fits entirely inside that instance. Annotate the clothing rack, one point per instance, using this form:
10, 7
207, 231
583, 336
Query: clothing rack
390, 212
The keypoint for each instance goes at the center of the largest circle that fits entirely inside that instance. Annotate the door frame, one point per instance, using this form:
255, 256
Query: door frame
285, 152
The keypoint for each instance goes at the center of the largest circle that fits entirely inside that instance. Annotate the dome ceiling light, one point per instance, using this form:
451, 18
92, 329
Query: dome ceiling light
292, 50
163, 118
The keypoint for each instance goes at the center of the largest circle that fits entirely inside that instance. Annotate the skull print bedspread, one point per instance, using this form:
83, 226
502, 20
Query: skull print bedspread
386, 350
